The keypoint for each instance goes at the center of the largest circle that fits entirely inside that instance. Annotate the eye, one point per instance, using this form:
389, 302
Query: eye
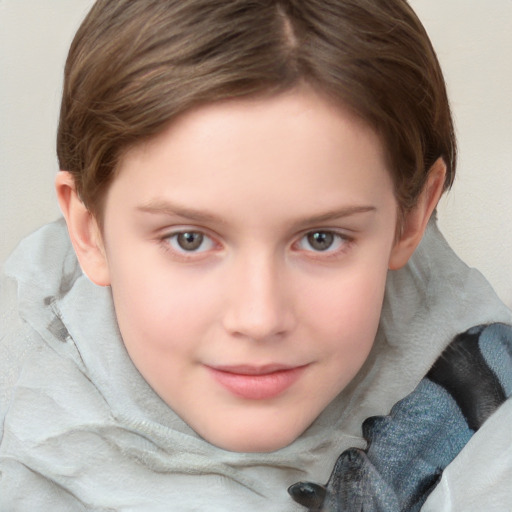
322, 241
190, 241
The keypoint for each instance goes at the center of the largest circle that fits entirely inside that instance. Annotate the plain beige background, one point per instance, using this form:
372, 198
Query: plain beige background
473, 39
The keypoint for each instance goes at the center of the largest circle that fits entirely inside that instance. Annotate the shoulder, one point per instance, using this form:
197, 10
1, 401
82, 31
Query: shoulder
479, 477
432, 431
37, 272
18, 341
477, 370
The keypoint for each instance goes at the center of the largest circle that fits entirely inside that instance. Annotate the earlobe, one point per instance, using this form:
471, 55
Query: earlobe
416, 220
83, 229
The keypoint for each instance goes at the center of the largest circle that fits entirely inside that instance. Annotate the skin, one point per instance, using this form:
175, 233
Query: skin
258, 180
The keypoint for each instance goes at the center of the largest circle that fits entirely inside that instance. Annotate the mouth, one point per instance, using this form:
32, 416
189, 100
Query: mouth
256, 382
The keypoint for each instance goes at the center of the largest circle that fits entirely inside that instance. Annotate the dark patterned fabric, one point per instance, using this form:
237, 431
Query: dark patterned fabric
409, 449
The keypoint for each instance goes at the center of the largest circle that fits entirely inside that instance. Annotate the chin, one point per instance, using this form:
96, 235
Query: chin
255, 445
253, 442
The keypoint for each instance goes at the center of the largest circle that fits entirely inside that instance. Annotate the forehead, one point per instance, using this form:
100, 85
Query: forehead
237, 127
281, 149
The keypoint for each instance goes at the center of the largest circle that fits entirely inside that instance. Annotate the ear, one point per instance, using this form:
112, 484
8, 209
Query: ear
416, 220
83, 230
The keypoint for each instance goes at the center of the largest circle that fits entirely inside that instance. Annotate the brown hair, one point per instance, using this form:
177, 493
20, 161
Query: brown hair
134, 65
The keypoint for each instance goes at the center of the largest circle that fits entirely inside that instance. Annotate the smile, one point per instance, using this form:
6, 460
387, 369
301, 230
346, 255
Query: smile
256, 383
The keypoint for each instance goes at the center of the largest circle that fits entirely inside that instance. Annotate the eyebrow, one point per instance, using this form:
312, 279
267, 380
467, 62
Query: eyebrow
161, 207
339, 214
164, 207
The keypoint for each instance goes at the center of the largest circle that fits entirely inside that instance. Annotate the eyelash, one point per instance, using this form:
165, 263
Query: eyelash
170, 243
342, 243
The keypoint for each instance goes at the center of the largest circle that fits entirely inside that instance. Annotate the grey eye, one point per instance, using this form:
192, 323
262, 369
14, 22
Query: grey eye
328, 242
190, 240
320, 240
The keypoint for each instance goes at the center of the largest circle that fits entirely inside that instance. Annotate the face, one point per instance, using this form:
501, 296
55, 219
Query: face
247, 249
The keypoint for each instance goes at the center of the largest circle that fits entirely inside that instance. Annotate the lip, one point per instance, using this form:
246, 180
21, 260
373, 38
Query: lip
256, 382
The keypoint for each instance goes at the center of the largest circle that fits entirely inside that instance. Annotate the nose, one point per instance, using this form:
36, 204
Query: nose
259, 305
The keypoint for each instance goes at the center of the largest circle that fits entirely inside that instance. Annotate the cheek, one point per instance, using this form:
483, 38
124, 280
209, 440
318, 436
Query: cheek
158, 309
165, 324
346, 313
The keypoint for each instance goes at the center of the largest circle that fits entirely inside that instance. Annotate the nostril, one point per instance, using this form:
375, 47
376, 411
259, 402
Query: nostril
257, 306
263, 324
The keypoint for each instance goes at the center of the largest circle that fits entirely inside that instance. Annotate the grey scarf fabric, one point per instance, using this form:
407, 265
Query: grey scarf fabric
82, 430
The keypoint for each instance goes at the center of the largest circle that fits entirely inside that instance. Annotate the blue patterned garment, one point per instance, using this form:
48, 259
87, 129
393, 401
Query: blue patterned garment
409, 449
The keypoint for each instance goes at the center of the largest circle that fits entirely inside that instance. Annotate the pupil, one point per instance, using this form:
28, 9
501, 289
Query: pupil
321, 240
190, 241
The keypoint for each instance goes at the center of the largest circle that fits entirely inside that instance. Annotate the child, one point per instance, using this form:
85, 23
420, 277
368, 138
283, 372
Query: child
245, 186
